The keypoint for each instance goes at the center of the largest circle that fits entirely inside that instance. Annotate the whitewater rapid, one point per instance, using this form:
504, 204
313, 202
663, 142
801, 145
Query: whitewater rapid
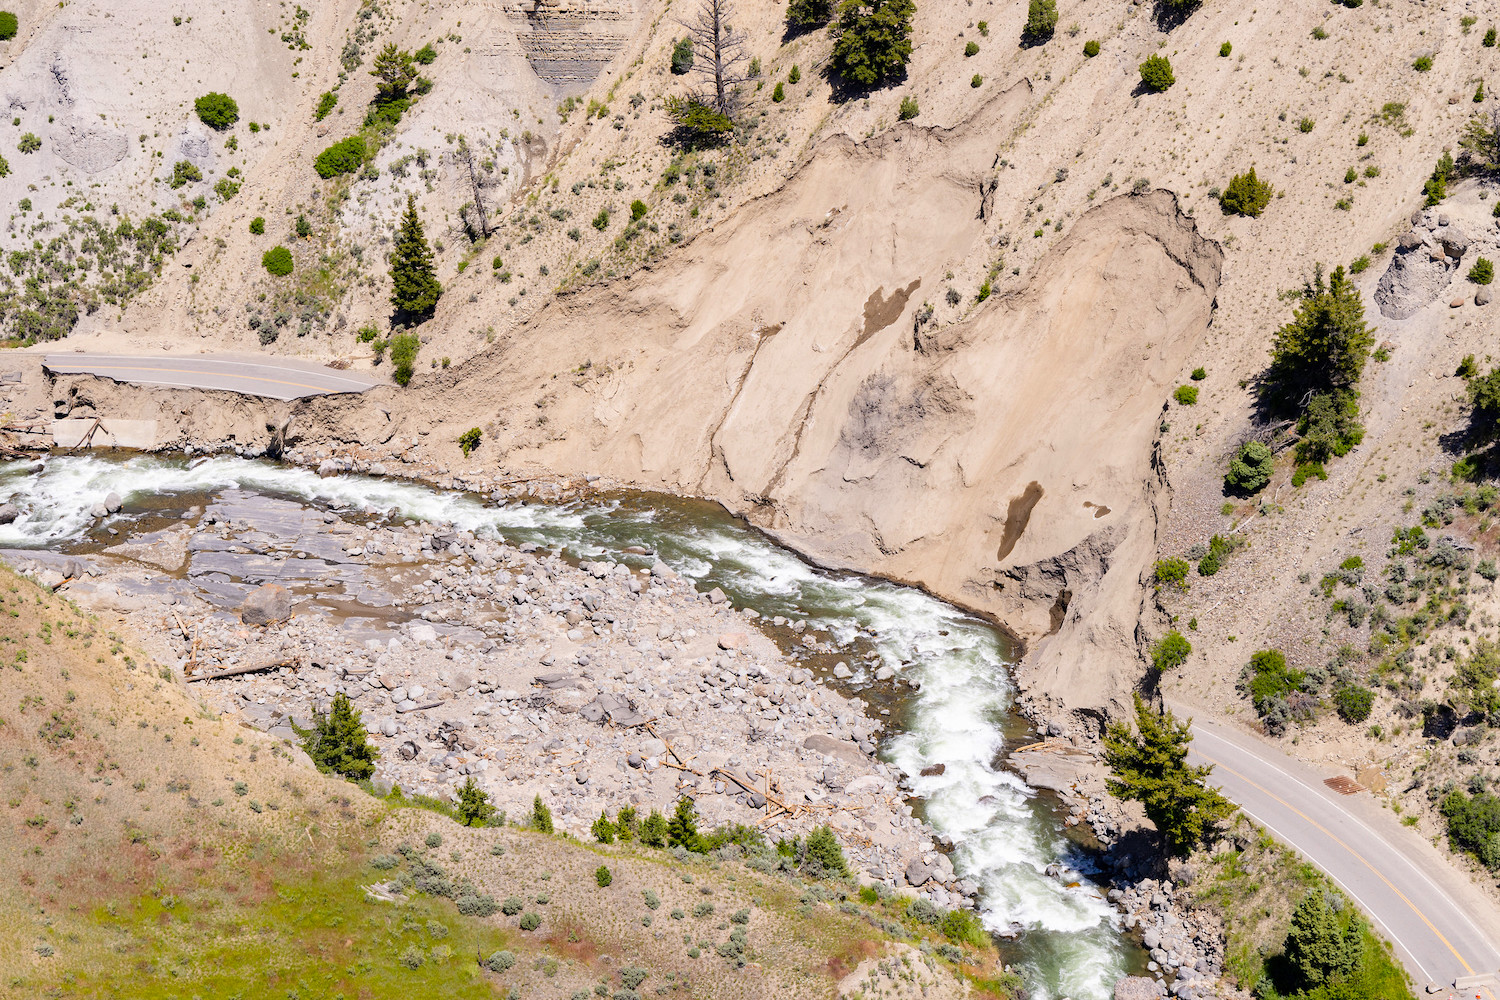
1069, 942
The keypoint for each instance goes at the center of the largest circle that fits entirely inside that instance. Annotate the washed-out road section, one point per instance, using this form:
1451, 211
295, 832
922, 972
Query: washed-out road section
1444, 928
271, 377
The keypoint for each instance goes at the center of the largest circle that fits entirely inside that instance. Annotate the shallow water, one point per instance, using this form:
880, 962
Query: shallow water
1066, 938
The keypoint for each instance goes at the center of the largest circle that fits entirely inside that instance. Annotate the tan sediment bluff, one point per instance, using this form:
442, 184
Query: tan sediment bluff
779, 363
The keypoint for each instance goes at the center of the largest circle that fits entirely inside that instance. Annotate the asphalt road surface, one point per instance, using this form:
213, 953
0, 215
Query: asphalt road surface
276, 378
1444, 928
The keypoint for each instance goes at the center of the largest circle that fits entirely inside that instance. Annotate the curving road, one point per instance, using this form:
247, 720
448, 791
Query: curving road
273, 377
1446, 931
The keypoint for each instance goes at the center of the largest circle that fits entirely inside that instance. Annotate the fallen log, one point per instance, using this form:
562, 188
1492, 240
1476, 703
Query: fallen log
249, 668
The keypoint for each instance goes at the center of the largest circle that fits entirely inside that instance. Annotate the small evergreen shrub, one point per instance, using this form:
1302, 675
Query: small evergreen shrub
1353, 702
1156, 73
426, 55
1090, 48
29, 143
1187, 395
1224, 50
1306, 125
977, 81
682, 56
1489, 39
1170, 652
277, 260
971, 50
823, 857
184, 173
541, 816
1251, 468
795, 75
1246, 194
1483, 271
909, 109
326, 103
9, 26
1041, 21
404, 348
603, 877
217, 111
344, 157
1171, 572
601, 221
637, 210
603, 830
469, 440
1360, 264
1199, 374
778, 93
1422, 64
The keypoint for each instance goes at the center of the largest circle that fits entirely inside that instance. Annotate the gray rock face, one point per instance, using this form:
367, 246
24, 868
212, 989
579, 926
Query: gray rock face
90, 147
1415, 278
266, 605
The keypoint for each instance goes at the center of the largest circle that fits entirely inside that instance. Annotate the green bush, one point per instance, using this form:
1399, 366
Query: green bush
258, 226
808, 14
426, 55
404, 348
778, 93
976, 81
1251, 468
1041, 21
1090, 48
1156, 73
603, 877
795, 75
909, 109
184, 173
474, 808
1170, 652
1353, 702
277, 260
1329, 427
963, 927
337, 743
530, 922
344, 157
823, 857
1489, 39
1308, 470
1436, 188
1268, 677
601, 221
1483, 271
873, 41
1171, 572
1321, 947
500, 961
1474, 825
217, 111
603, 830
682, 828
29, 143
971, 50
541, 816
4, 167
469, 440
1187, 395
637, 210
682, 56
1360, 264
1422, 64
1306, 125
654, 830
1224, 50
512, 905
326, 103
9, 26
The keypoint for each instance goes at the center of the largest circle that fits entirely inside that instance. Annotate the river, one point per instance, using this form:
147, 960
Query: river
1059, 932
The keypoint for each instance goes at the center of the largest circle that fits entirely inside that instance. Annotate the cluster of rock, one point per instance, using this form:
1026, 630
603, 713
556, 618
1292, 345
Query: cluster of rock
596, 686
1425, 261
1184, 943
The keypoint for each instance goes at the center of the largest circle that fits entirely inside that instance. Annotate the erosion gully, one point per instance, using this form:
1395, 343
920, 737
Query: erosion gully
1057, 929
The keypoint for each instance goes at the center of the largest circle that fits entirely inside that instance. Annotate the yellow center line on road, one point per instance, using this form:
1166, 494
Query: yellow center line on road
189, 371
1361, 858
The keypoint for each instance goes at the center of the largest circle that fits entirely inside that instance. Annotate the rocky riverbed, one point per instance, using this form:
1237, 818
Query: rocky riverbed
594, 686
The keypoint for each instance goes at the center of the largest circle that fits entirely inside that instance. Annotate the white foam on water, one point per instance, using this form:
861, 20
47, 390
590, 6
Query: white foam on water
1004, 839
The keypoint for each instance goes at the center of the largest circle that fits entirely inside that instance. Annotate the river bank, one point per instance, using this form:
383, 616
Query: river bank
941, 674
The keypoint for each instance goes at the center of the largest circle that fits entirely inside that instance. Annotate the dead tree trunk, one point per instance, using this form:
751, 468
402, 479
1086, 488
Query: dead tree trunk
479, 223
722, 51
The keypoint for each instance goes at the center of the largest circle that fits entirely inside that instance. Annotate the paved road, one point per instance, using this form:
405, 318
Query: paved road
1443, 927
277, 378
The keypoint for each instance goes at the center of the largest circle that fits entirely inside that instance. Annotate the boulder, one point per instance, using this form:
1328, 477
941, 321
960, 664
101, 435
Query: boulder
1413, 279
1482, 297
1454, 240
918, 872
734, 640
1136, 988
113, 503
266, 605
9, 512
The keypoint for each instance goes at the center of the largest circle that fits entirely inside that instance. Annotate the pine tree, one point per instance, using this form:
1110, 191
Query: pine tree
541, 816
1319, 947
603, 829
395, 70
337, 741
654, 830
1324, 347
682, 828
1152, 768
873, 41
414, 285
474, 804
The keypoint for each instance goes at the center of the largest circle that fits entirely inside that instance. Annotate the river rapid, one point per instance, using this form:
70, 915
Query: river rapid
1059, 931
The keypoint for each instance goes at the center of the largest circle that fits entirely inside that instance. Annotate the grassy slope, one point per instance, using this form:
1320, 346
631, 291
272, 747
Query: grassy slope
162, 852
